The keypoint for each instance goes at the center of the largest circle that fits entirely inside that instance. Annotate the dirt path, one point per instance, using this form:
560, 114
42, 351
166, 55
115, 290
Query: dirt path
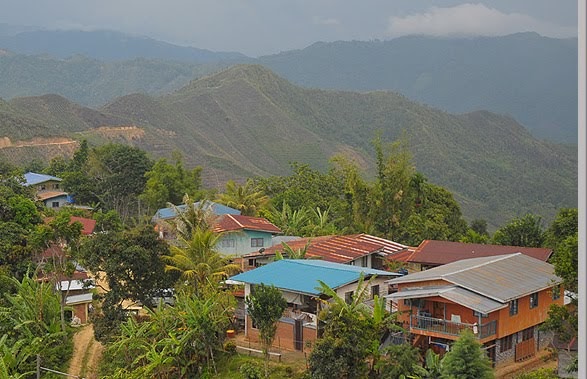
86, 354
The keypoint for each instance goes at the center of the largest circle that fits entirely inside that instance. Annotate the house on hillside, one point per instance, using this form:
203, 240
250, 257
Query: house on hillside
361, 250
77, 288
241, 234
434, 253
298, 281
47, 189
502, 299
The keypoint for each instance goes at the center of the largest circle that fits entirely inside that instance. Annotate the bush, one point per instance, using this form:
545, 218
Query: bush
251, 370
230, 347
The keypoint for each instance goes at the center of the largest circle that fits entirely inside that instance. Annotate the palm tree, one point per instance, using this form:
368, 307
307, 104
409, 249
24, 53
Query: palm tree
290, 253
193, 216
197, 260
247, 198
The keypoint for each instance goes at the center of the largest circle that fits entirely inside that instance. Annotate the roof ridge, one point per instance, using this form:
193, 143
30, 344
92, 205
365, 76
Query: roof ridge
497, 259
235, 220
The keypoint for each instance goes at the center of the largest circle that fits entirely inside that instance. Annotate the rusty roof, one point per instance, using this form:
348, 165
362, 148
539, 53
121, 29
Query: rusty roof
50, 195
230, 222
433, 252
339, 249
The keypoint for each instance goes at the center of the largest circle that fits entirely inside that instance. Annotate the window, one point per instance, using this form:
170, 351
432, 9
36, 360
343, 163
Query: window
228, 242
507, 343
374, 291
55, 204
256, 242
556, 292
514, 307
528, 333
56, 186
534, 300
42, 187
348, 297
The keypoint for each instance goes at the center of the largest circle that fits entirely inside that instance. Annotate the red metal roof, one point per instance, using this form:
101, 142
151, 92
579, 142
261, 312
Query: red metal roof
88, 224
228, 222
433, 252
338, 249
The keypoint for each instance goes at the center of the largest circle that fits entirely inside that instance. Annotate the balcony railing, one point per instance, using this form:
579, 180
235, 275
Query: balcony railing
452, 328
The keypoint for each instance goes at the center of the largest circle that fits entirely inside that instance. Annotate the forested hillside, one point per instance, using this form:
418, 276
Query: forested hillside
530, 77
246, 121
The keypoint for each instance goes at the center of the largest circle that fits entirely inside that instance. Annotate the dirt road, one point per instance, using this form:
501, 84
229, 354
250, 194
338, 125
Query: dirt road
86, 354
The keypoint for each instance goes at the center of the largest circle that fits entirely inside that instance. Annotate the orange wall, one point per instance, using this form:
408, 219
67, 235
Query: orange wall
526, 317
506, 324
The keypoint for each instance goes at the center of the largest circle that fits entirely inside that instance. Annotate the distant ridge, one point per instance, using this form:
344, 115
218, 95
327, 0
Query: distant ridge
108, 45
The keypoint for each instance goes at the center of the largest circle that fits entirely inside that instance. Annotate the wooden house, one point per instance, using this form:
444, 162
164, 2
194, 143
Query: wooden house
502, 299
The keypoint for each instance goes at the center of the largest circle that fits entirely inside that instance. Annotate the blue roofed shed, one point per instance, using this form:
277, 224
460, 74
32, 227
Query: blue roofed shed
302, 275
298, 281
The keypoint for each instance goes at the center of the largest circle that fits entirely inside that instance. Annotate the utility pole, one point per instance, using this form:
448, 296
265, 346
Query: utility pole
38, 366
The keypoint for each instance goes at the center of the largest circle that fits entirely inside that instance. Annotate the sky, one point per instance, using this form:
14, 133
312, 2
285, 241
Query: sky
262, 27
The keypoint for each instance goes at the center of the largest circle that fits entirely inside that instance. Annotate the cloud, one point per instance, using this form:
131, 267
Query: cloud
472, 20
325, 21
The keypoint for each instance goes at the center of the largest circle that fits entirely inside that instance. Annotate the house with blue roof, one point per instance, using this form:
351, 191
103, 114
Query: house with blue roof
47, 188
298, 281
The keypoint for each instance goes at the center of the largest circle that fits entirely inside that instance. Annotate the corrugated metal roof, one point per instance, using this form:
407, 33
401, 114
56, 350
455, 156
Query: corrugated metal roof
215, 208
339, 249
229, 222
302, 275
32, 178
88, 224
455, 294
433, 252
501, 278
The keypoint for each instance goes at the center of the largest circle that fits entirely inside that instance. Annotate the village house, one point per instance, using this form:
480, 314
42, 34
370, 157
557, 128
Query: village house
361, 250
47, 189
241, 233
502, 299
77, 288
298, 281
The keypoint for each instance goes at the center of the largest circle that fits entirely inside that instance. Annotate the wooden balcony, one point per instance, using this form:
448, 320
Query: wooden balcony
451, 328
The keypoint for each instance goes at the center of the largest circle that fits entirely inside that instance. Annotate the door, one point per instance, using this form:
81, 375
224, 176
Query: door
298, 335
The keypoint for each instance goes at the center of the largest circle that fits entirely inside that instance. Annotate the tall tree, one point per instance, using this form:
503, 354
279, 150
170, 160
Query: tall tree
522, 231
265, 306
129, 263
169, 182
466, 360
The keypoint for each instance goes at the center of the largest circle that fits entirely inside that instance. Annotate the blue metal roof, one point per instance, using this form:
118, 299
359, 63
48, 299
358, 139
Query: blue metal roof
32, 178
215, 208
302, 275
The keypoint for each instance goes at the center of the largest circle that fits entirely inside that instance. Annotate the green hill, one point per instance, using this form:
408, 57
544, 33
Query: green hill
247, 121
530, 77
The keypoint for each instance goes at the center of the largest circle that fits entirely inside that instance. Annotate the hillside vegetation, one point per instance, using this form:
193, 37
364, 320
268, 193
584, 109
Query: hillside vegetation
530, 77
247, 121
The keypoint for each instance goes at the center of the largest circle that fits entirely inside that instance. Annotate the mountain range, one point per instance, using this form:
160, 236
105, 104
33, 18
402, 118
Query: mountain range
246, 121
526, 76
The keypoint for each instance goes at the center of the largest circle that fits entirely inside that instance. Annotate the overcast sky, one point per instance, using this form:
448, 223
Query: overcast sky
260, 27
